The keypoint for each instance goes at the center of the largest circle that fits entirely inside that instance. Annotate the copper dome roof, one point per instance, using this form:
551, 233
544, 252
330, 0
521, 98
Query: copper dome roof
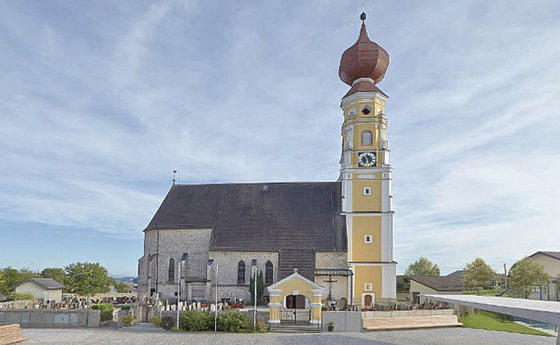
365, 59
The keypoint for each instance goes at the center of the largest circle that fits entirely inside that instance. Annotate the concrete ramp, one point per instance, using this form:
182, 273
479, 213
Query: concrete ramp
10, 334
411, 322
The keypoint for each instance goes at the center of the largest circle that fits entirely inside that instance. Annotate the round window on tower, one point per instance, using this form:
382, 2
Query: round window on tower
366, 110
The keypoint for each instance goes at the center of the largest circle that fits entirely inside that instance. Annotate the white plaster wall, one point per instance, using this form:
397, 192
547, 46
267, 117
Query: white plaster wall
551, 266
330, 260
39, 292
338, 289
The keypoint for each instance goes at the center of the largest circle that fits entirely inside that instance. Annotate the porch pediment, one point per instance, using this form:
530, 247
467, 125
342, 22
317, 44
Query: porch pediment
298, 283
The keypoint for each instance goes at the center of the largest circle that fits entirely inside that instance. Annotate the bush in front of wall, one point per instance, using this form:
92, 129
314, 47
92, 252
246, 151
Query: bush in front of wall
128, 320
196, 321
19, 296
106, 316
262, 327
156, 320
234, 322
103, 307
167, 322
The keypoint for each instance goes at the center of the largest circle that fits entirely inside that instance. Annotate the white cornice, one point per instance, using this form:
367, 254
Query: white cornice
363, 97
359, 80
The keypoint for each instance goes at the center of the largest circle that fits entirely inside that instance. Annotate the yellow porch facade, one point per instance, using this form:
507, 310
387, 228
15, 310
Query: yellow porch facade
295, 285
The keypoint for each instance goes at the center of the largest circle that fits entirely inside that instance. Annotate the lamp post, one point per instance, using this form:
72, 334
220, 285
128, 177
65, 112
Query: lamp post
179, 278
254, 266
87, 306
351, 289
210, 261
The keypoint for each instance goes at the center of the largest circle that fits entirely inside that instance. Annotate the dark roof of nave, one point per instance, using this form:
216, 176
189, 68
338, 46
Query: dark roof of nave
258, 216
554, 255
46, 283
450, 282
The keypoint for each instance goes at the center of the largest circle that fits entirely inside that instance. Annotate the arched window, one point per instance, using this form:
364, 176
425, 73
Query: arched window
171, 270
241, 273
269, 270
367, 138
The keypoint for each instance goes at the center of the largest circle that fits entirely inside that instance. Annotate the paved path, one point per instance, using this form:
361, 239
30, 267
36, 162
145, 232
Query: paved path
445, 336
411, 322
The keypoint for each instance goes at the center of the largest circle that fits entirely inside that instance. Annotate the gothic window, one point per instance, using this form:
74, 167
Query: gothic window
171, 270
241, 273
367, 138
269, 273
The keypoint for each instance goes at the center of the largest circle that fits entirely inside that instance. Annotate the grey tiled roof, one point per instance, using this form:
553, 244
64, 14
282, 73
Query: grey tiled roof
554, 255
451, 282
47, 283
258, 216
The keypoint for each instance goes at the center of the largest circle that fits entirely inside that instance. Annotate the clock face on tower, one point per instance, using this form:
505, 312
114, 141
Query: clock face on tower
366, 159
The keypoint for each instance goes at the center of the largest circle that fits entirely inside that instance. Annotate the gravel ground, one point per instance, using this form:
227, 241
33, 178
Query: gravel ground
443, 336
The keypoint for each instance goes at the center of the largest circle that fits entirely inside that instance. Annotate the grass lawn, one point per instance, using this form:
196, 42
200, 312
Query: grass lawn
488, 292
497, 322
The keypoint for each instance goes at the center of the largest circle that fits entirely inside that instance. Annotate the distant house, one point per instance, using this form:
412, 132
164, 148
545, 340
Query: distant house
46, 289
551, 265
451, 284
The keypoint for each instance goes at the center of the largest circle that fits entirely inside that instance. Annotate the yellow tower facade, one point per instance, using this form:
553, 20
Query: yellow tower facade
366, 174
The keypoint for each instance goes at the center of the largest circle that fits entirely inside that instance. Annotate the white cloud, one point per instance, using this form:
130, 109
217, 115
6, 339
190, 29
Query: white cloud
98, 106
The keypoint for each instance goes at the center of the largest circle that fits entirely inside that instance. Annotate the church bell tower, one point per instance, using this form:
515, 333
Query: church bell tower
365, 174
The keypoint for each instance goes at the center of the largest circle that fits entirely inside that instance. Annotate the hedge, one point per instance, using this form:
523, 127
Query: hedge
196, 321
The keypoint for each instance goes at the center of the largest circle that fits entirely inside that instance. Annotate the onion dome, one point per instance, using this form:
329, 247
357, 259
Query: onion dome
365, 59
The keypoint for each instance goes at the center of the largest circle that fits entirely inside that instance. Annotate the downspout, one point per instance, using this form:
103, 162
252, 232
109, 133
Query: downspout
157, 261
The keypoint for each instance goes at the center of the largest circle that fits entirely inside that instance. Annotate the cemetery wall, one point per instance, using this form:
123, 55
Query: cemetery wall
50, 318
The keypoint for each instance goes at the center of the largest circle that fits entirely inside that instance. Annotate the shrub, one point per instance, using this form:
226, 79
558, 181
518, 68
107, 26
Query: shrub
103, 307
18, 296
167, 322
234, 322
262, 327
125, 307
128, 320
156, 320
196, 321
106, 316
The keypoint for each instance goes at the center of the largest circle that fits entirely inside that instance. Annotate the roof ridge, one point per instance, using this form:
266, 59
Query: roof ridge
250, 183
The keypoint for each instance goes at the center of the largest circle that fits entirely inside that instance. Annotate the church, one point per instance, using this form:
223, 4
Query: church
336, 235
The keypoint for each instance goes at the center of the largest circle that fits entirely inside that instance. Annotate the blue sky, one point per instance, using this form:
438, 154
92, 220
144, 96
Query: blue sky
100, 101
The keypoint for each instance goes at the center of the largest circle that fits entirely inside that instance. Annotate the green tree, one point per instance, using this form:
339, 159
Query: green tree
121, 287
12, 277
260, 288
57, 274
525, 276
478, 275
422, 267
2, 281
84, 278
